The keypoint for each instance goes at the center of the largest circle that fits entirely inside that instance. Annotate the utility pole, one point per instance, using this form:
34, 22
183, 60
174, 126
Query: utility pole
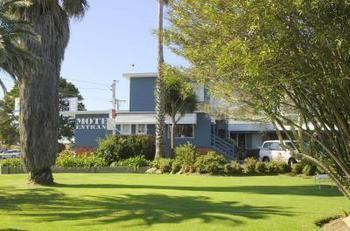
114, 105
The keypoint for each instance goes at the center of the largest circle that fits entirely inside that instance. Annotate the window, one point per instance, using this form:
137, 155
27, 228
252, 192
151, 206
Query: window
266, 146
275, 146
141, 129
183, 131
125, 129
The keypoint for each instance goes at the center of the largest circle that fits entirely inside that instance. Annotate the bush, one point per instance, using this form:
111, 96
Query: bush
12, 162
116, 148
87, 160
186, 156
176, 166
133, 162
260, 167
275, 167
249, 165
309, 170
164, 165
233, 168
297, 168
212, 163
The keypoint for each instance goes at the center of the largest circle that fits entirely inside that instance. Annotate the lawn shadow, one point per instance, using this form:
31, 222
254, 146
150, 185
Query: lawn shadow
302, 190
50, 205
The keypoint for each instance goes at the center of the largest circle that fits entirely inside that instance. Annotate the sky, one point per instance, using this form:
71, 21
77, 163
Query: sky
114, 37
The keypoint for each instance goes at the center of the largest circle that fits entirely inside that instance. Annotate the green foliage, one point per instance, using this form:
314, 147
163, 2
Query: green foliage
249, 165
260, 167
186, 156
133, 162
163, 164
11, 162
278, 59
233, 168
116, 148
275, 167
180, 97
89, 160
8, 127
212, 163
9, 133
297, 168
309, 170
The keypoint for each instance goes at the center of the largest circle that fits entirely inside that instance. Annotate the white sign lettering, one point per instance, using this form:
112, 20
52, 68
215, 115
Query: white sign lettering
91, 123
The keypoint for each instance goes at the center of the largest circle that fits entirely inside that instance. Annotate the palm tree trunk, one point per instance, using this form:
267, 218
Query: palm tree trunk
39, 112
160, 111
172, 141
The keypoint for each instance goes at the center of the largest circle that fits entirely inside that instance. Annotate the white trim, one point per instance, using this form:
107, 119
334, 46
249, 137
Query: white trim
179, 137
140, 133
150, 118
122, 132
140, 75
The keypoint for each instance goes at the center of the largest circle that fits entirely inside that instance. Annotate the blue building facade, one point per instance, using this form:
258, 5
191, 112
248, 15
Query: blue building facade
197, 128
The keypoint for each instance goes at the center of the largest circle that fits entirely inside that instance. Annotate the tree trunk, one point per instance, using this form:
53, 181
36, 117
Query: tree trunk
160, 108
39, 105
172, 134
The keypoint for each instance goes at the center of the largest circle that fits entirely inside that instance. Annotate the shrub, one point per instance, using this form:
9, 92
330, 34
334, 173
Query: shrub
83, 161
275, 167
233, 168
176, 166
212, 163
163, 164
133, 162
108, 149
115, 148
309, 170
249, 165
260, 167
297, 168
12, 162
186, 156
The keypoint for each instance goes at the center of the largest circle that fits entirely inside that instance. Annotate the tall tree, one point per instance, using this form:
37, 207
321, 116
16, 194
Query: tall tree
160, 110
9, 133
38, 86
180, 97
288, 60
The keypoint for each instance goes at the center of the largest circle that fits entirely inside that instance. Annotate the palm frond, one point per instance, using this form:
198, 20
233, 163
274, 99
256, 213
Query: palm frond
75, 8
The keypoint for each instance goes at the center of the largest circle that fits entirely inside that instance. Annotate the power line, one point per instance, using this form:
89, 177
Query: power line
89, 82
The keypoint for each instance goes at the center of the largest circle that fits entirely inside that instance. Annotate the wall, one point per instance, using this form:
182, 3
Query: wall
142, 94
90, 128
202, 133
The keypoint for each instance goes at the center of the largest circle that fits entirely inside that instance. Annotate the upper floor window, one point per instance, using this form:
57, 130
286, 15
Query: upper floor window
125, 129
141, 129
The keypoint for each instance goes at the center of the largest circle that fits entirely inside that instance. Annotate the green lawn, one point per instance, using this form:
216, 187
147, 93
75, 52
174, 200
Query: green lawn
166, 202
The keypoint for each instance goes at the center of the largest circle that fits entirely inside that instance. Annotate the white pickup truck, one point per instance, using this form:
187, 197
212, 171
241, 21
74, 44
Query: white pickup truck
273, 150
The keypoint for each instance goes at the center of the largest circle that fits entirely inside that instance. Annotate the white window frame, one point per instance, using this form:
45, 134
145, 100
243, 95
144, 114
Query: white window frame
179, 137
122, 129
141, 133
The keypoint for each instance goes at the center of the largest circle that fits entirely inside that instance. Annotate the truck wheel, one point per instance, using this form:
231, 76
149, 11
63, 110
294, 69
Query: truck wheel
266, 159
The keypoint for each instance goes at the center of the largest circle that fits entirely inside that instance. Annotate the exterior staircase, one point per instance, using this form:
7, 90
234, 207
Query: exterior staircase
222, 146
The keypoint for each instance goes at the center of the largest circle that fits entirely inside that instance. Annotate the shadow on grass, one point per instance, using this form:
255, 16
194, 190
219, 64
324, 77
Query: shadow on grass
49, 205
303, 190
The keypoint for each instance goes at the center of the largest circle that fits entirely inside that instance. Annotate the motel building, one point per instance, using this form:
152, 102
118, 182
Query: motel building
198, 128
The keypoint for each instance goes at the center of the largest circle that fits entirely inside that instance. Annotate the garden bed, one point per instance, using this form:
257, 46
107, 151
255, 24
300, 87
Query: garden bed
119, 169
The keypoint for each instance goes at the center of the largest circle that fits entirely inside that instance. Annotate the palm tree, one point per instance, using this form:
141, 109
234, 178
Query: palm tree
160, 110
12, 29
38, 86
180, 98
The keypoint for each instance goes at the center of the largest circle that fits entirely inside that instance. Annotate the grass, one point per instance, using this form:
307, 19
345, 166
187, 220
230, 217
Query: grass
166, 202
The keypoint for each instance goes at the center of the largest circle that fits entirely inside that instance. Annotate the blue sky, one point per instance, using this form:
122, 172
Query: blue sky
113, 35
